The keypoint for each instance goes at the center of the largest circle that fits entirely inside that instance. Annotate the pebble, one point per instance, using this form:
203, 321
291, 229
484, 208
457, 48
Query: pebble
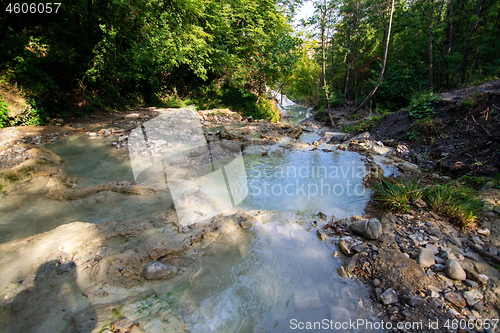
472, 284
454, 271
344, 247
389, 297
413, 300
376, 283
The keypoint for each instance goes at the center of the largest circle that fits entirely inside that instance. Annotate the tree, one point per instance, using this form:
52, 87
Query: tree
383, 62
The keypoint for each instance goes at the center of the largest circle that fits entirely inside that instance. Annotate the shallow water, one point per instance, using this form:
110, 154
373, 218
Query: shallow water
94, 161
253, 280
307, 182
27, 211
259, 280
310, 137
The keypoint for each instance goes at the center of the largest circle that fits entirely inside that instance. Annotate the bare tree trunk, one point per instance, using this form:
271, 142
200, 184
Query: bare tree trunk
450, 33
384, 62
467, 47
323, 57
431, 69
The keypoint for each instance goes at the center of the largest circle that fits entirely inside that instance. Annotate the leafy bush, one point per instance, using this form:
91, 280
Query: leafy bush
421, 106
4, 114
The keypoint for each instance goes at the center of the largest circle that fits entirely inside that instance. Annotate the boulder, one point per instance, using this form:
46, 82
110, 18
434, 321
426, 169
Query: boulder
371, 229
156, 270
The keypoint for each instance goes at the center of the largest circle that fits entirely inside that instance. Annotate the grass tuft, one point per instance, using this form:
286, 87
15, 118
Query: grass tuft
457, 202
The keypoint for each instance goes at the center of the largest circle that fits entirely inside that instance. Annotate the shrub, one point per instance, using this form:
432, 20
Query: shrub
421, 106
4, 114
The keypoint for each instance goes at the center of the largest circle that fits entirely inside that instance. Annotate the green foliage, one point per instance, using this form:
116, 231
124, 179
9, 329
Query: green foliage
457, 202
421, 107
34, 115
363, 125
4, 114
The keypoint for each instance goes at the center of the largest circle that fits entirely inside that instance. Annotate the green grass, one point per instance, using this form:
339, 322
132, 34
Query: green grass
451, 199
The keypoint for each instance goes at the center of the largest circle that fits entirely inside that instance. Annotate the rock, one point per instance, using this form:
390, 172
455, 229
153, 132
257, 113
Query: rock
473, 296
230, 145
307, 299
322, 216
470, 283
137, 329
388, 218
122, 326
376, 283
156, 270
389, 297
344, 247
341, 272
339, 314
455, 299
472, 275
413, 300
371, 229
426, 258
358, 248
399, 272
321, 235
419, 203
454, 271
432, 247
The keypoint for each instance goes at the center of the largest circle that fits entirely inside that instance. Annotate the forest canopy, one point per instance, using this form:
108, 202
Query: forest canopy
99, 54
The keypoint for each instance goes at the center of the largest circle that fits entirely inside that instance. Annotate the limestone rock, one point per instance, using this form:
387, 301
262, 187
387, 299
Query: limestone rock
321, 235
426, 258
389, 297
454, 271
344, 247
473, 296
371, 229
156, 270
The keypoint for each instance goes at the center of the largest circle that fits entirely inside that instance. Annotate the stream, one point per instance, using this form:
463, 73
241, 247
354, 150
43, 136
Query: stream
250, 280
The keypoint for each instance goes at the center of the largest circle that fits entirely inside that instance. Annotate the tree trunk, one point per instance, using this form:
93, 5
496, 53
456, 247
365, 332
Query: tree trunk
384, 62
450, 32
431, 69
323, 58
467, 47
